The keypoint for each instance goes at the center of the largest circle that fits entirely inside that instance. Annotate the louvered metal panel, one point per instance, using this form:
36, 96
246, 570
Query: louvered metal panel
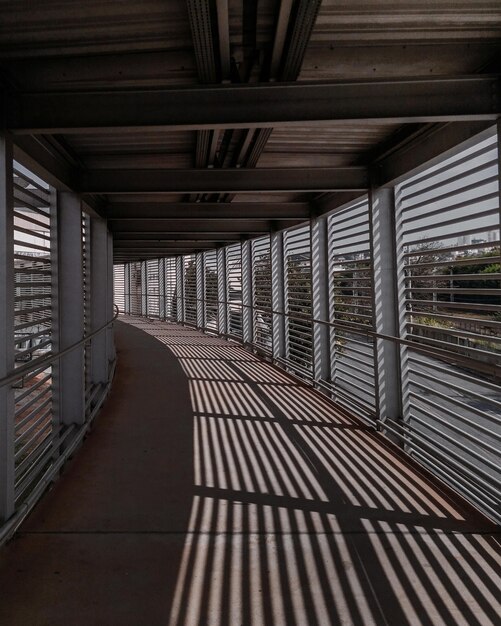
448, 224
210, 301
119, 287
90, 389
261, 293
152, 288
190, 289
351, 309
168, 289
135, 288
298, 299
33, 266
234, 289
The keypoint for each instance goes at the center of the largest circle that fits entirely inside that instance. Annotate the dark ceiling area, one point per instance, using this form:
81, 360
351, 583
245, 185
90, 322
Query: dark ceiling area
191, 125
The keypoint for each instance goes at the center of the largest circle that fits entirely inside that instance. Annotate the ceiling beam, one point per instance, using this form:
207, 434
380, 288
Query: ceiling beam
173, 227
164, 244
223, 180
142, 256
434, 143
256, 106
208, 211
42, 158
153, 245
192, 237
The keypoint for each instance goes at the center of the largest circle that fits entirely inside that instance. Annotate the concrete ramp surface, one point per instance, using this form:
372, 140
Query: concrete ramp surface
216, 489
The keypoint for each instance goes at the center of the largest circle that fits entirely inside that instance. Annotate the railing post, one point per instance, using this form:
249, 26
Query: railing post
277, 294
99, 300
222, 295
385, 297
320, 298
247, 311
6, 330
68, 316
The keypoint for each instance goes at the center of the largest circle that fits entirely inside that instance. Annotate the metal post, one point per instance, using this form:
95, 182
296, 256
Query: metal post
99, 300
386, 316
247, 311
68, 319
200, 289
110, 343
277, 295
222, 295
6, 330
162, 278
320, 298
179, 291
144, 289
127, 288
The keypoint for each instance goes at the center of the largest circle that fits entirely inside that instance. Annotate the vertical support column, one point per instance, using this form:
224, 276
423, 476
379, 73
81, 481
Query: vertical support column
247, 310
222, 293
320, 298
127, 288
110, 343
6, 330
162, 303
385, 295
277, 295
180, 289
68, 319
99, 300
200, 274
498, 134
144, 289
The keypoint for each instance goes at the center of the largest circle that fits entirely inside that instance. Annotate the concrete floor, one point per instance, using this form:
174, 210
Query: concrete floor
215, 489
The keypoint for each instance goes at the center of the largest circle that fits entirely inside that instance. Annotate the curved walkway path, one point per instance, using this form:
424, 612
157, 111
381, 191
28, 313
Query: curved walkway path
216, 489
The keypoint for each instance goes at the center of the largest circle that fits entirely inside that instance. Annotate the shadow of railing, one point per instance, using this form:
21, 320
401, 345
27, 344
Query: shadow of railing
303, 515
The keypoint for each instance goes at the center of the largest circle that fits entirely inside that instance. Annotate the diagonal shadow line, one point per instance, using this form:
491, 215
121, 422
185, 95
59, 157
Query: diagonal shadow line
348, 514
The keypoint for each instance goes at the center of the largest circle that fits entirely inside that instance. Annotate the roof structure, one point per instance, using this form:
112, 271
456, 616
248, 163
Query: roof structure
193, 124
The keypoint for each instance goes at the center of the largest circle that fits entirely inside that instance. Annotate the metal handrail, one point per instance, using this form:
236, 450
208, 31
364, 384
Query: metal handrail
43, 363
454, 358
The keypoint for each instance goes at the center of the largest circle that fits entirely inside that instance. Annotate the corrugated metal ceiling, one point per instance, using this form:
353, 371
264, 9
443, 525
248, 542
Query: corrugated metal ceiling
70, 46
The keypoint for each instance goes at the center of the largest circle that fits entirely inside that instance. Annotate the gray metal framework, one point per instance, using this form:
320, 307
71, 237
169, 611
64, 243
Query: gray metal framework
265, 174
57, 361
379, 304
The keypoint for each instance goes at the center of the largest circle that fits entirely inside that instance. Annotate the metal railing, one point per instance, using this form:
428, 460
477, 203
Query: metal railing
41, 465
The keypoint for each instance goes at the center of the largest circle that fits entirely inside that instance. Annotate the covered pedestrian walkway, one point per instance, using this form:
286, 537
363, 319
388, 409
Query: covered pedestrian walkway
287, 213
216, 488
